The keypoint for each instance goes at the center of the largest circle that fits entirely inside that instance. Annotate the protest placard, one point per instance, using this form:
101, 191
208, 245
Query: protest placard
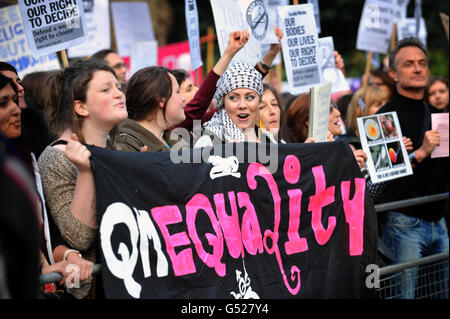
300, 45
375, 26
319, 112
228, 17
328, 66
439, 122
14, 47
315, 4
52, 25
407, 28
143, 54
193, 31
381, 139
260, 21
241, 232
96, 14
132, 23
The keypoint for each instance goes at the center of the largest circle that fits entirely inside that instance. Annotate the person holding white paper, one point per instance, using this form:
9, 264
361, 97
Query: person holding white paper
417, 231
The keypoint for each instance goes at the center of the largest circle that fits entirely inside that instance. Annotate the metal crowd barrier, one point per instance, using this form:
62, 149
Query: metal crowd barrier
424, 278
429, 275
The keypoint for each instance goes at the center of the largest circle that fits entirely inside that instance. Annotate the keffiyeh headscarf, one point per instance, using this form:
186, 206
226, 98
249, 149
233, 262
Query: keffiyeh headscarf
240, 75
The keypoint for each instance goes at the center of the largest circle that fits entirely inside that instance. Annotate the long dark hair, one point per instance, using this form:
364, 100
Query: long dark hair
296, 117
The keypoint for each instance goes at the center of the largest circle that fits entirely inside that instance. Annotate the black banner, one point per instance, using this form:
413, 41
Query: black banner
285, 221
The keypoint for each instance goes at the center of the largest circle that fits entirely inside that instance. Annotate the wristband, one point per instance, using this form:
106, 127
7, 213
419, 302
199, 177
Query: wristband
69, 251
265, 66
412, 158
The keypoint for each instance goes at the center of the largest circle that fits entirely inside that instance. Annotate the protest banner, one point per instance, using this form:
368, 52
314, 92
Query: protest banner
132, 23
260, 21
96, 14
52, 26
228, 17
300, 45
193, 31
381, 139
407, 28
14, 47
143, 54
178, 56
319, 112
328, 66
375, 26
229, 228
439, 122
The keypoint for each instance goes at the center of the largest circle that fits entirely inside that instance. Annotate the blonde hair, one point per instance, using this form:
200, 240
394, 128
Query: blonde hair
372, 95
350, 119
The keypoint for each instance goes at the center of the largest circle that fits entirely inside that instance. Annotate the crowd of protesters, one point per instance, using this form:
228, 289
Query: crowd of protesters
46, 120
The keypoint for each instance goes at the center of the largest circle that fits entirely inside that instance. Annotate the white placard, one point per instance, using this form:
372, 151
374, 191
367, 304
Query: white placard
53, 26
143, 54
328, 66
260, 20
300, 45
132, 23
315, 4
381, 139
96, 14
319, 112
14, 47
227, 18
407, 28
375, 26
193, 33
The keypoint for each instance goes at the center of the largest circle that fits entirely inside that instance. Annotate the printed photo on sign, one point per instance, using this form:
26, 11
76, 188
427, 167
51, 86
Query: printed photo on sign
372, 130
328, 66
388, 126
380, 158
395, 154
381, 137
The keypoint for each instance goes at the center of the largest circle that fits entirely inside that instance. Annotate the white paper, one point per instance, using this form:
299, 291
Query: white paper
328, 66
143, 54
381, 139
319, 112
300, 44
132, 23
96, 14
52, 26
439, 121
260, 20
193, 33
14, 47
375, 26
227, 18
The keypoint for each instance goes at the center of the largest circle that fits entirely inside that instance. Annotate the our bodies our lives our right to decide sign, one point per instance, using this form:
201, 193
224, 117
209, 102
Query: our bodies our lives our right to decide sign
296, 224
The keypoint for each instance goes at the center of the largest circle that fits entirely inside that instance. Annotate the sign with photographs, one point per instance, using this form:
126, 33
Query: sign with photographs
381, 139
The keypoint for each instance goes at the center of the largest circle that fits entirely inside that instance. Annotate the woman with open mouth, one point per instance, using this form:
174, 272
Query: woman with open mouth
238, 97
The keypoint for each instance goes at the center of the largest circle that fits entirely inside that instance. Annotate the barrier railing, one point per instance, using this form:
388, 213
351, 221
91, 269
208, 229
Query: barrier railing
424, 278
384, 271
